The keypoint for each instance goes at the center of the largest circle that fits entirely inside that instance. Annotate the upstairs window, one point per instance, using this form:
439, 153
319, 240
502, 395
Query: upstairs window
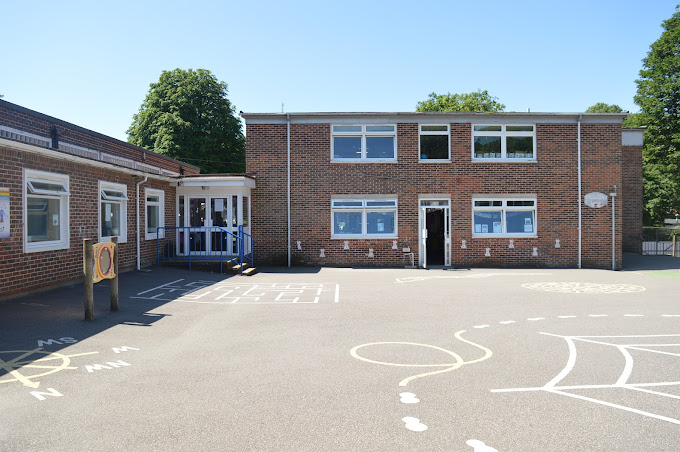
364, 218
497, 217
504, 142
46, 225
434, 142
359, 143
112, 211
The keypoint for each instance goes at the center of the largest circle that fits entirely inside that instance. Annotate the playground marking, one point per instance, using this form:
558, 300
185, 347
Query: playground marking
584, 288
21, 362
479, 446
224, 292
449, 366
408, 397
464, 276
553, 386
414, 424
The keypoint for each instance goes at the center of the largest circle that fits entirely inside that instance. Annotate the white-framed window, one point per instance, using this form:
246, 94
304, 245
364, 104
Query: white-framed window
112, 211
504, 142
359, 143
363, 218
502, 217
46, 211
434, 142
155, 212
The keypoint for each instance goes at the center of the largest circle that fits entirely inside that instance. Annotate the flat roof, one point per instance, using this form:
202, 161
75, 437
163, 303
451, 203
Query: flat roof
431, 117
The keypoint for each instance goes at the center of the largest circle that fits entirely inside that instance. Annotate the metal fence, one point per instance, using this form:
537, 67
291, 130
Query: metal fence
660, 241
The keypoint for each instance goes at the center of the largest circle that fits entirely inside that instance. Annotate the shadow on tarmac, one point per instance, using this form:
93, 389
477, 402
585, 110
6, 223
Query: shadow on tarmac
55, 317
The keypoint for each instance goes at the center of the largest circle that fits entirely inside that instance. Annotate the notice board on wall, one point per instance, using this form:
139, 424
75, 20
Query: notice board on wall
4, 213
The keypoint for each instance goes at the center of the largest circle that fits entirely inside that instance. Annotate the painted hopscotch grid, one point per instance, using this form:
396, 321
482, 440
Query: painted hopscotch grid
211, 292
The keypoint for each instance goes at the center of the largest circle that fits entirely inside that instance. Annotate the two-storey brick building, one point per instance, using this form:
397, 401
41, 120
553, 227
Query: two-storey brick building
460, 189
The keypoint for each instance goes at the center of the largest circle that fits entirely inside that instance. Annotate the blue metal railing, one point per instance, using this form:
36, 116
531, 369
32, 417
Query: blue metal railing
203, 243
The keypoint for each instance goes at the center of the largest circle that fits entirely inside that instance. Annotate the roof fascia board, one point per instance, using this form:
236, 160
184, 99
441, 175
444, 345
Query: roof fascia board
23, 147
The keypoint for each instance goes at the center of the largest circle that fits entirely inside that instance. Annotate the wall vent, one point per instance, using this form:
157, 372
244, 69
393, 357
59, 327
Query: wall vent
109, 158
79, 151
20, 135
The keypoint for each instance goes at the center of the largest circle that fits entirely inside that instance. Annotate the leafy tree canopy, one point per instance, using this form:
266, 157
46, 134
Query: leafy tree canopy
478, 101
658, 95
186, 115
601, 107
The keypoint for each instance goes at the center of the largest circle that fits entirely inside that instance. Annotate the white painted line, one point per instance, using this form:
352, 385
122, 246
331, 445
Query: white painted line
481, 326
633, 315
670, 315
506, 322
155, 288
633, 335
572, 387
570, 362
598, 315
620, 407
662, 394
628, 368
337, 293
654, 351
566, 316
533, 319
652, 345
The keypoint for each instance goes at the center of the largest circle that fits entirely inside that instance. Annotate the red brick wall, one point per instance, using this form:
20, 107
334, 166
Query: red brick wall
39, 124
632, 198
21, 271
314, 179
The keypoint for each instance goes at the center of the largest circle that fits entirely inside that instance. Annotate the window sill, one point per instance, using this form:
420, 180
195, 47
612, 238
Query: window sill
434, 160
364, 237
33, 248
108, 239
364, 161
153, 237
504, 236
477, 160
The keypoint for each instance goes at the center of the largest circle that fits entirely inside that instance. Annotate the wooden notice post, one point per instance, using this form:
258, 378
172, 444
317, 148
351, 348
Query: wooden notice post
114, 280
88, 283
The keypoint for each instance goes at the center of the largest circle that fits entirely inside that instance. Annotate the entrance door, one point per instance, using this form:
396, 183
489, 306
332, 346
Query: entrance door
434, 222
197, 239
435, 236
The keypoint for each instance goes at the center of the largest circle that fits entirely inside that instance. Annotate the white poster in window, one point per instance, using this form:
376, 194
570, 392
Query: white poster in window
496, 227
219, 205
478, 228
4, 213
528, 227
485, 228
381, 227
107, 212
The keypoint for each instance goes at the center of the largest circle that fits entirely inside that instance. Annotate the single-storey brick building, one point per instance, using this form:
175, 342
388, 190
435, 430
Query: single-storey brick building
61, 183
459, 189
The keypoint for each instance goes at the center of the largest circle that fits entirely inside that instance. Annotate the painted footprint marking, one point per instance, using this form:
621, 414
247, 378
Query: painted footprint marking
408, 397
414, 424
479, 446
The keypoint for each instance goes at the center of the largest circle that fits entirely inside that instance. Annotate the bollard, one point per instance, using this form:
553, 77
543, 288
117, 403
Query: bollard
114, 280
88, 283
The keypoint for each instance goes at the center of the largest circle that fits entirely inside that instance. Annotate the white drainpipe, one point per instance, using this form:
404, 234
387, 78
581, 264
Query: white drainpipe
139, 265
580, 116
288, 139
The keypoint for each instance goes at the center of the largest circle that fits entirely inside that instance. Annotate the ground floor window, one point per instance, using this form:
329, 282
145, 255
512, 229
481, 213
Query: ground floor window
46, 225
112, 211
493, 217
155, 212
368, 218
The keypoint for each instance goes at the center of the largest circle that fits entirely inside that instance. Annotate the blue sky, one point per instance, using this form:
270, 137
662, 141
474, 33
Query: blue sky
91, 62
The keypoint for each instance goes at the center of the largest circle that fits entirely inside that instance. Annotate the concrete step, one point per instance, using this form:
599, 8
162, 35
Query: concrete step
250, 271
237, 267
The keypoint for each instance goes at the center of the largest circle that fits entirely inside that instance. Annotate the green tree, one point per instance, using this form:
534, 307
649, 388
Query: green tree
658, 95
478, 101
186, 115
601, 107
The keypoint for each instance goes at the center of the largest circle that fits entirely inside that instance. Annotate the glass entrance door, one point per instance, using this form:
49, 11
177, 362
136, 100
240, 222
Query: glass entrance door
197, 239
